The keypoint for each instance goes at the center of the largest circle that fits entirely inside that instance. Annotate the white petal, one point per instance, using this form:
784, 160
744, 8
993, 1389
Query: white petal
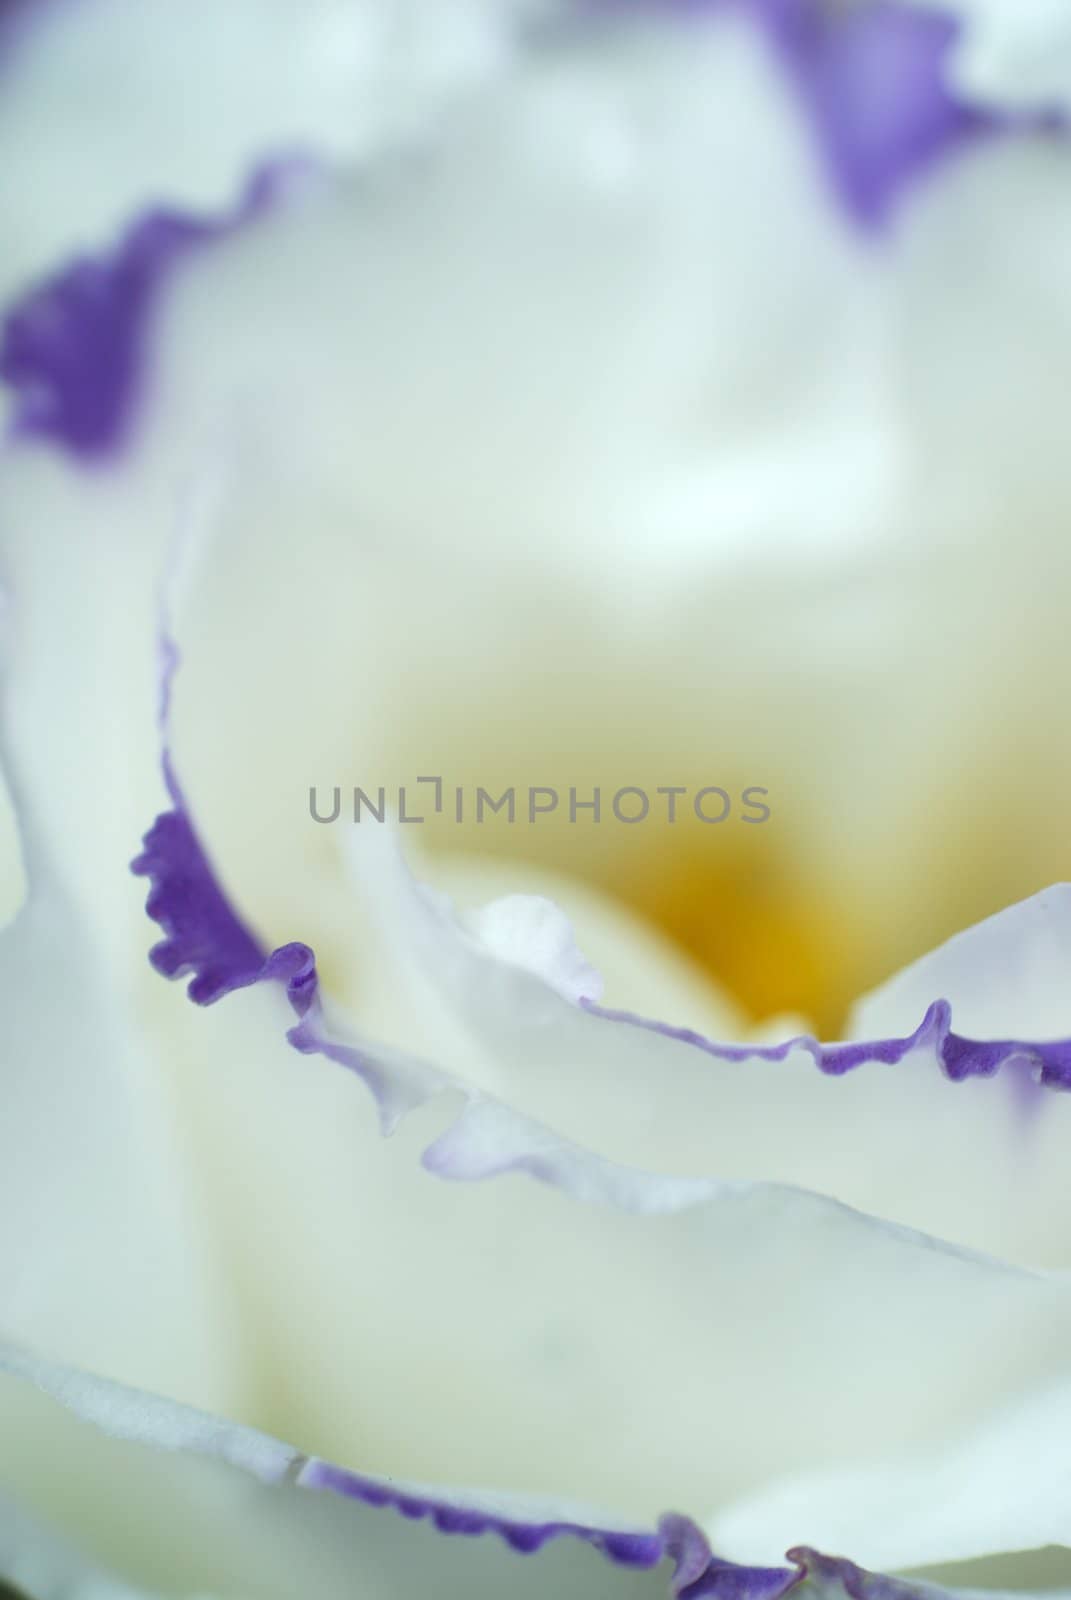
109, 106
1007, 978
816, 633
1001, 1481
987, 1154
505, 1336
529, 931
165, 1501
104, 1249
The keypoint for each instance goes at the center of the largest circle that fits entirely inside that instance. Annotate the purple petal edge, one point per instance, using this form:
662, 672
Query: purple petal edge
724, 1580
872, 82
206, 940
152, 1421
72, 350
699, 1574
204, 937
628, 1547
1049, 1061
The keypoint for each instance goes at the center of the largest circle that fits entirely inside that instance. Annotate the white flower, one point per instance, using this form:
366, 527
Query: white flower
678, 415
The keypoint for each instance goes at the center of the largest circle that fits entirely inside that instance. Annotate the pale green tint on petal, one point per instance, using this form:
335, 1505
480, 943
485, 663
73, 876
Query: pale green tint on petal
998, 1483
38, 1564
389, 1308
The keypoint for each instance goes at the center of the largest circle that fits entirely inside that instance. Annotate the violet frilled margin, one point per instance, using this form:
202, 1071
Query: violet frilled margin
73, 350
871, 82
206, 941
873, 79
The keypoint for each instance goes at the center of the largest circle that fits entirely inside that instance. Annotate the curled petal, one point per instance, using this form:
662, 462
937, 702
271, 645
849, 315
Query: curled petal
110, 1451
874, 79
206, 940
592, 1346
72, 351
664, 1098
638, 1093
736, 1242
199, 103
525, 1524
614, 1318
595, 1292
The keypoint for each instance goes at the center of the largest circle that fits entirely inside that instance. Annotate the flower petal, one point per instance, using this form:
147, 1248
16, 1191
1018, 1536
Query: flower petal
541, 1311
98, 119
670, 1099
168, 1497
958, 1500
370, 518
128, 1287
874, 79
1007, 977
593, 1291
713, 437
666, 1099
37, 1564
205, 937
611, 1280
72, 349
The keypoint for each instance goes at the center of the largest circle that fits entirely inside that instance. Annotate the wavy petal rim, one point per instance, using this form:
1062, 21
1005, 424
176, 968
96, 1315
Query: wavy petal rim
73, 350
525, 1526
473, 1514
206, 940
960, 1058
872, 83
134, 1416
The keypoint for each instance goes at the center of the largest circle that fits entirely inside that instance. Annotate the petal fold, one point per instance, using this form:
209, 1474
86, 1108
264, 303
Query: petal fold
547, 1074
874, 79
73, 349
95, 1460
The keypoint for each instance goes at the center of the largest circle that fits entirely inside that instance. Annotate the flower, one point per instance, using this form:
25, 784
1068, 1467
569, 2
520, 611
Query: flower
637, 429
